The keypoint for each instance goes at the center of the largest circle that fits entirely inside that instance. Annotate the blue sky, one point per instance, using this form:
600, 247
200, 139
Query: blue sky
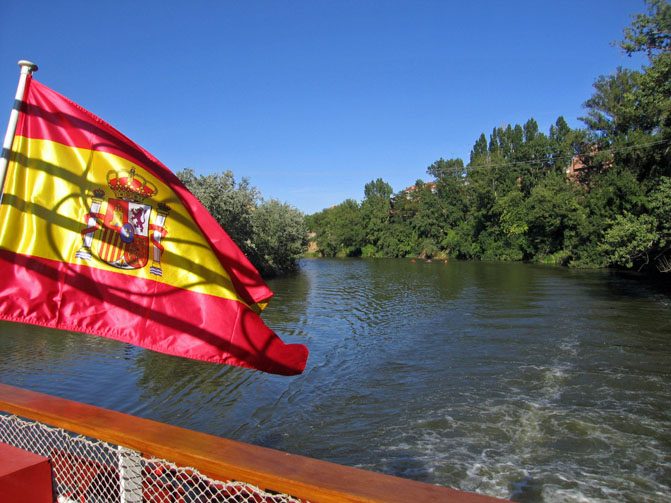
311, 100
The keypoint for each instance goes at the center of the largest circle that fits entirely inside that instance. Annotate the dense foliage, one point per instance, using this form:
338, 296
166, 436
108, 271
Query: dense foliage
271, 234
593, 197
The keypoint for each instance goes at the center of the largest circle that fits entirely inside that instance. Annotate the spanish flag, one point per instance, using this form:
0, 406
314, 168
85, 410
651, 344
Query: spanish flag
97, 236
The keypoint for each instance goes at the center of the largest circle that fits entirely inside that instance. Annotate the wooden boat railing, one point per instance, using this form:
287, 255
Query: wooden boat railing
222, 459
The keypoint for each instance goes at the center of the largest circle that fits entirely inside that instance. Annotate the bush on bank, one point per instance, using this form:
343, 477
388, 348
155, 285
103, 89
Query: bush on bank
271, 234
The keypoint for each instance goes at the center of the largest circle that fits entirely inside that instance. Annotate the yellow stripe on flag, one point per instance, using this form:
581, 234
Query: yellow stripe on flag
48, 198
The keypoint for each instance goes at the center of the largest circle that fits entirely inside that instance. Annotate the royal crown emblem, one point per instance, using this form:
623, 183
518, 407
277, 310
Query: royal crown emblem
127, 229
128, 186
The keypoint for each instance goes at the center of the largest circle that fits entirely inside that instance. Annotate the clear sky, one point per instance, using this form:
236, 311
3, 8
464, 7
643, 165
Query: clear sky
312, 99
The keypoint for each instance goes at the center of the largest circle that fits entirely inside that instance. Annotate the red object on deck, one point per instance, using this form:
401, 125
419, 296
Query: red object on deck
24, 476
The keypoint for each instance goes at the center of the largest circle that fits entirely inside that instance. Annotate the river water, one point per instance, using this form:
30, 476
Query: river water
534, 383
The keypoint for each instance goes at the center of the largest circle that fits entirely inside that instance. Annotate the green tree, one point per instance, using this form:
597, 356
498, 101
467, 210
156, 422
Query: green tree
630, 112
397, 241
516, 137
535, 154
564, 144
650, 33
659, 201
459, 240
449, 178
512, 226
447, 169
231, 203
280, 237
480, 148
629, 122
611, 111
272, 235
427, 219
553, 216
375, 213
642, 240
611, 193
629, 239
340, 230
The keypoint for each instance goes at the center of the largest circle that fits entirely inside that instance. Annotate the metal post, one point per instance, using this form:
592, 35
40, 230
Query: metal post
130, 472
27, 68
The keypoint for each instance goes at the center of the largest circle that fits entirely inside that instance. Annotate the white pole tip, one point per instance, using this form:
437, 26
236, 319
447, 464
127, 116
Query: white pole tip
31, 66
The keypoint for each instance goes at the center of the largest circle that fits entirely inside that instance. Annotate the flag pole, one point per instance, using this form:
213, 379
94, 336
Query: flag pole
27, 68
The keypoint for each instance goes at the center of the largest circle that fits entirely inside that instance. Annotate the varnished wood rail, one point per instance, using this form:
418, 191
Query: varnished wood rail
223, 459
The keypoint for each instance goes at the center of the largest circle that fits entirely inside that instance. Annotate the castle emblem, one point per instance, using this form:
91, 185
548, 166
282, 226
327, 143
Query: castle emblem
125, 233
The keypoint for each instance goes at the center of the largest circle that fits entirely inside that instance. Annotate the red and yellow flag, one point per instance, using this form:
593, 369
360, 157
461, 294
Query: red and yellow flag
97, 236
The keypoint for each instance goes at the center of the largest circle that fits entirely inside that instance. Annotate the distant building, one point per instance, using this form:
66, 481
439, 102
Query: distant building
578, 169
412, 192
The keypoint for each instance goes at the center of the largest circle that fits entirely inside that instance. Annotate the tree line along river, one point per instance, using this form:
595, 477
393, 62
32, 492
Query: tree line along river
534, 383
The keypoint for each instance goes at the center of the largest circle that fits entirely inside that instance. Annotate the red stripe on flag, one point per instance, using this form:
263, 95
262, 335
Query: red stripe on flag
109, 246
142, 312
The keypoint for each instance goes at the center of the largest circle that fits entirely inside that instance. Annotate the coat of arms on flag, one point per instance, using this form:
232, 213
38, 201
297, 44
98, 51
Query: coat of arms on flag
125, 232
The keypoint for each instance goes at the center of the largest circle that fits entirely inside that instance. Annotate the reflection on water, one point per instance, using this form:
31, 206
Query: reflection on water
538, 384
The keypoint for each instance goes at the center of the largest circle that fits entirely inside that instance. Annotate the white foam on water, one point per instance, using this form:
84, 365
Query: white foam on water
531, 445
